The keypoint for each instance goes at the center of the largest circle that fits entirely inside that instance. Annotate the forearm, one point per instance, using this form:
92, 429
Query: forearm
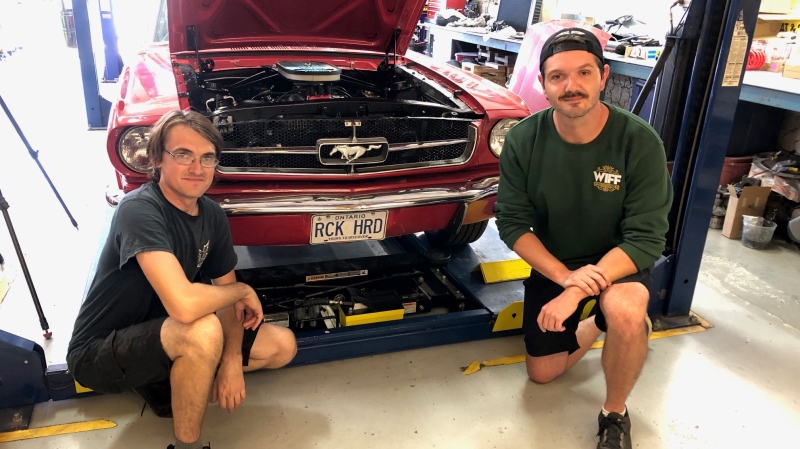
617, 264
187, 301
531, 250
233, 333
203, 299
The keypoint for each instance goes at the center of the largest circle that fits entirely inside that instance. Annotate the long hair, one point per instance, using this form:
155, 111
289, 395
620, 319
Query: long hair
194, 120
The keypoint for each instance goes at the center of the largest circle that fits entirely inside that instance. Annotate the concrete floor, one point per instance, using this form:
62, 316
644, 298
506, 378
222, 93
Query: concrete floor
731, 386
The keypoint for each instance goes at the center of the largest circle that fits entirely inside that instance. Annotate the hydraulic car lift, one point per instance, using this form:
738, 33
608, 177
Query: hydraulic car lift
363, 298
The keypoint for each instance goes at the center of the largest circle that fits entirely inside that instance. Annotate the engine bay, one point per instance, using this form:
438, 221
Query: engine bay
293, 88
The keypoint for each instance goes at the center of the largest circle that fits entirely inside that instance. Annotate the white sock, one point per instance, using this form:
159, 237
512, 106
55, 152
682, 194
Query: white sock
606, 412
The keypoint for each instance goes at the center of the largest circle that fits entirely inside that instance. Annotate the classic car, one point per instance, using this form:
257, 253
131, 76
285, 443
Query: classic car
333, 131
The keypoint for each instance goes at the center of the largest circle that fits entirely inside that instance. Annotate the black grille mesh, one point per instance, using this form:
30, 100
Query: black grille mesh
306, 132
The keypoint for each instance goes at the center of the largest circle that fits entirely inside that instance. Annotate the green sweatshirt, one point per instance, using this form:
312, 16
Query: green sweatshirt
583, 200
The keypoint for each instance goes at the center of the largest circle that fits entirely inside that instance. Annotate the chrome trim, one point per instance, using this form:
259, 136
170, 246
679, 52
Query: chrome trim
486, 183
468, 153
466, 156
313, 150
324, 204
271, 150
288, 204
366, 143
436, 143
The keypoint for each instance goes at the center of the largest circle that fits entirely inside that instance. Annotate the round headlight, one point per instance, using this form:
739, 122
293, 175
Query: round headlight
132, 148
498, 135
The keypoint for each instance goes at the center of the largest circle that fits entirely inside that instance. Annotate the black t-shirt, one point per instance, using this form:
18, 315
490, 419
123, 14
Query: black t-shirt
120, 295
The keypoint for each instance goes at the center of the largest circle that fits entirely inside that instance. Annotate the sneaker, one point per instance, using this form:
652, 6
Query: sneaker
158, 396
615, 431
649, 326
172, 446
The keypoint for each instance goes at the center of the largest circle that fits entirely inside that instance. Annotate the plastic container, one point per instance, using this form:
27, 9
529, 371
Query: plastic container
461, 56
757, 233
734, 168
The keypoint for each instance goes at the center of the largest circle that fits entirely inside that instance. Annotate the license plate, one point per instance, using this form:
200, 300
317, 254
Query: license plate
348, 227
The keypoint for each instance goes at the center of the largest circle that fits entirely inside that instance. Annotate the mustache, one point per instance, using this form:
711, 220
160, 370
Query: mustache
569, 95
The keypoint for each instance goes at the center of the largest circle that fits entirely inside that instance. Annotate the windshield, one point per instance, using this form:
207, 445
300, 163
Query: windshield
161, 34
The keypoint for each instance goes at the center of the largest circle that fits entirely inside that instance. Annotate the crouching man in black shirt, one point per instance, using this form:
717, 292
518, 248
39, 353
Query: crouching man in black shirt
145, 325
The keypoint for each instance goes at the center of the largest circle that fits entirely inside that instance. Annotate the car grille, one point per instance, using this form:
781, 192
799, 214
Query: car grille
289, 146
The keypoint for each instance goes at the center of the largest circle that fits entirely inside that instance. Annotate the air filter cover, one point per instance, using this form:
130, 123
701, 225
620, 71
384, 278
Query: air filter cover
308, 71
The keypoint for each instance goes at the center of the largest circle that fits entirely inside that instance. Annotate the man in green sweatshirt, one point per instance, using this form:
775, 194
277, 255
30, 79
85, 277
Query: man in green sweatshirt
584, 196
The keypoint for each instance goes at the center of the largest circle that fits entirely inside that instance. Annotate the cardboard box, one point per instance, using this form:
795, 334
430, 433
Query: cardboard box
495, 75
792, 69
768, 26
752, 201
494, 65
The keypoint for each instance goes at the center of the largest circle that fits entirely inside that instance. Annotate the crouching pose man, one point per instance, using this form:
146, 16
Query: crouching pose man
583, 198
146, 324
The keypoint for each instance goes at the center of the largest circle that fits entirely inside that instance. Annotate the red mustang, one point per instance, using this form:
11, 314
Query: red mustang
333, 133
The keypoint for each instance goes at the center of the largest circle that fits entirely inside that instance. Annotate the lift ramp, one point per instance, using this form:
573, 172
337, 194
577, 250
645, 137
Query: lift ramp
362, 298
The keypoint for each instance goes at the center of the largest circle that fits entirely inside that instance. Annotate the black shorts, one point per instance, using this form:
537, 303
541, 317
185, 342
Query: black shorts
539, 291
130, 358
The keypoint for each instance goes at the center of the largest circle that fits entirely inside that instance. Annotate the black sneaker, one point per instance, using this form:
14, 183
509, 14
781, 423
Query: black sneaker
158, 396
172, 446
615, 431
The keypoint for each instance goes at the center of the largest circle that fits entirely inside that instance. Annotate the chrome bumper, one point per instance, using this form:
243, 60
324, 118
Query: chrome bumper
324, 204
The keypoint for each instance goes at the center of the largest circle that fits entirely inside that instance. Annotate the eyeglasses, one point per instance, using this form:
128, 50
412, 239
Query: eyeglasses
206, 160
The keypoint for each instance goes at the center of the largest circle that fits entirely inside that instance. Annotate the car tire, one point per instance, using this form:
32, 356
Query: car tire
467, 234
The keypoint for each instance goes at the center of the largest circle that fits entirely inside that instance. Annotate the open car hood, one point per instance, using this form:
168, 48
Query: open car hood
371, 25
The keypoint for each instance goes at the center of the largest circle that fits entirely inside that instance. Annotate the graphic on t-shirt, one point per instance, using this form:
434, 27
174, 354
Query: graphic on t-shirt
202, 253
607, 178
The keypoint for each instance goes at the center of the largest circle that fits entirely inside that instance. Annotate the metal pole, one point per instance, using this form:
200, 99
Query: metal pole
35, 156
651, 80
21, 257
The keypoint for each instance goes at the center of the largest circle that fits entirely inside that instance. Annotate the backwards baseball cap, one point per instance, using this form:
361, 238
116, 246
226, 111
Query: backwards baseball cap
571, 39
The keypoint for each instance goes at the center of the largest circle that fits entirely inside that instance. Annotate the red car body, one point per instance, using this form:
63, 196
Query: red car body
328, 124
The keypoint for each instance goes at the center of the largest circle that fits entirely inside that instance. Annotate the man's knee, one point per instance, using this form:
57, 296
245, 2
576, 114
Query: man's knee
543, 370
275, 347
283, 346
625, 305
202, 338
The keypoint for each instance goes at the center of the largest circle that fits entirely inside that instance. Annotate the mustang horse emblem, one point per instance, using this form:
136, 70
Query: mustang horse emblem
352, 152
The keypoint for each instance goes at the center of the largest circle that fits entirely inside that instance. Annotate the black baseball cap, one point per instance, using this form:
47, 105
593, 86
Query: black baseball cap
559, 42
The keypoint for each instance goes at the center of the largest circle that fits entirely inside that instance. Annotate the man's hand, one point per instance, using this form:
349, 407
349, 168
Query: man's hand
248, 310
554, 313
229, 385
589, 278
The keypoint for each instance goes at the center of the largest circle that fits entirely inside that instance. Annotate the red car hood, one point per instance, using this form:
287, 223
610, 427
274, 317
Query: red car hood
241, 24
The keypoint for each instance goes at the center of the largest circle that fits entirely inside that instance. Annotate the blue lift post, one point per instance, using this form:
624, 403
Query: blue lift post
723, 34
111, 50
97, 107
710, 106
